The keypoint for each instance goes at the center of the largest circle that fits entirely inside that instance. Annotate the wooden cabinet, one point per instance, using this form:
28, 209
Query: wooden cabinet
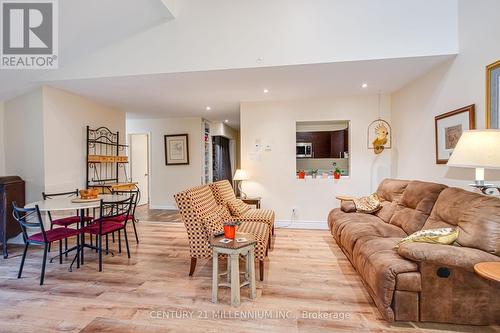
321, 144
325, 144
11, 189
339, 143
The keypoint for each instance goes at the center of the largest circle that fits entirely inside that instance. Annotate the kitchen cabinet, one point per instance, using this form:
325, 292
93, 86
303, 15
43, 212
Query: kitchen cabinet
326, 144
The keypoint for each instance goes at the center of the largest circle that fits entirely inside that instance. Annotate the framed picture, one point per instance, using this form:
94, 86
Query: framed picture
492, 95
176, 149
449, 128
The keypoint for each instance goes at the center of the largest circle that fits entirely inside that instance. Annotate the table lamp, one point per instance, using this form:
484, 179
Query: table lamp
240, 175
479, 149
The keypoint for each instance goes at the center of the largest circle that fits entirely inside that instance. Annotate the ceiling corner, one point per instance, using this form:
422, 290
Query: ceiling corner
171, 6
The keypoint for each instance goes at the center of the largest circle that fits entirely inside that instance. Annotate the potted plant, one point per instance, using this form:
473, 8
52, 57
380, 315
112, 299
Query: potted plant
302, 174
230, 228
314, 173
337, 173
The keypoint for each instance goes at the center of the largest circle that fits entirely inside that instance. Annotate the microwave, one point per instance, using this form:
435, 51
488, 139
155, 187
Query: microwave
304, 149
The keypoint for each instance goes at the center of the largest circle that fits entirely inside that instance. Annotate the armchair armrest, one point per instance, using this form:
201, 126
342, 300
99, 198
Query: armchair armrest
447, 255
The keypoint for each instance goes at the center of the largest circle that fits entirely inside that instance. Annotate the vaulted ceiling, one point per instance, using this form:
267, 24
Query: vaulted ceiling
157, 58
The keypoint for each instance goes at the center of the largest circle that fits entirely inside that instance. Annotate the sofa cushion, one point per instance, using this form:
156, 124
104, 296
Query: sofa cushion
379, 265
367, 226
477, 217
391, 189
258, 215
390, 192
261, 233
416, 205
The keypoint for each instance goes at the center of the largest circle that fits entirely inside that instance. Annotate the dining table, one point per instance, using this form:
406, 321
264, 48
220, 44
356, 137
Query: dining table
70, 204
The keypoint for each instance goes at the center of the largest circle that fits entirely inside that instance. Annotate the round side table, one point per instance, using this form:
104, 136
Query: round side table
488, 270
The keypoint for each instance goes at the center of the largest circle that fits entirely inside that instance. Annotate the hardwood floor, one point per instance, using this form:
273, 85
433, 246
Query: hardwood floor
143, 213
306, 276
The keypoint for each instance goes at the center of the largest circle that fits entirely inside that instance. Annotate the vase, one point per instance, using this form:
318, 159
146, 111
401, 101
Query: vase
302, 175
336, 175
229, 231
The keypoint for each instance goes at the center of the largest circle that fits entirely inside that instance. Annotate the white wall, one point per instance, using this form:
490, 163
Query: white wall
222, 34
457, 83
45, 138
66, 116
2, 134
24, 151
272, 172
165, 180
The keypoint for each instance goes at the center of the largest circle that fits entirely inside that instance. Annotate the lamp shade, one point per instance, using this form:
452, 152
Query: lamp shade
477, 149
240, 174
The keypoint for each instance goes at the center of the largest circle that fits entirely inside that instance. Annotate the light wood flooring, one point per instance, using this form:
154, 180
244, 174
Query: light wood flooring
306, 273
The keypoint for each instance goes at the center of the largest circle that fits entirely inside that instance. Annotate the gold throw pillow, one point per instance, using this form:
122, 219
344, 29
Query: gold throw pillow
443, 236
367, 205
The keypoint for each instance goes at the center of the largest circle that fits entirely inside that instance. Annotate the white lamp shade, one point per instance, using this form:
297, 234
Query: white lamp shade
477, 149
240, 174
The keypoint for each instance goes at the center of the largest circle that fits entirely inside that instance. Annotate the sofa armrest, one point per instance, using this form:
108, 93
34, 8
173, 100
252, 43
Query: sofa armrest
447, 255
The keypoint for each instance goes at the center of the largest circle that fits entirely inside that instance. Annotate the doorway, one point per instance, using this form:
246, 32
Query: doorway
223, 158
139, 164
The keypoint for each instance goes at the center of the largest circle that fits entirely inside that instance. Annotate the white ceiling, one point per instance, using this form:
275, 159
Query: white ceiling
87, 26
187, 94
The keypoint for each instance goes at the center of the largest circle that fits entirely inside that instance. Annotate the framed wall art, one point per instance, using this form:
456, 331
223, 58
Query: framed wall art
493, 95
176, 149
449, 128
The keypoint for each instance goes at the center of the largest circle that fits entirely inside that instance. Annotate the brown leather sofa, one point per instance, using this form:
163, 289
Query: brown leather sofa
421, 281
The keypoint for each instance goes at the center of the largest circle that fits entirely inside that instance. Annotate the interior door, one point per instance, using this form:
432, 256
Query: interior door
139, 164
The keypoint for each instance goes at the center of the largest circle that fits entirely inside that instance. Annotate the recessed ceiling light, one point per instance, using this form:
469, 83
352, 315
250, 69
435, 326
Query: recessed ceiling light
208, 108
364, 85
226, 121
266, 91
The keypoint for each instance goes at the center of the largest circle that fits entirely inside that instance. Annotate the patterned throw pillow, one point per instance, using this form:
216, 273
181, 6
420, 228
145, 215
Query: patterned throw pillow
367, 205
237, 207
444, 236
213, 223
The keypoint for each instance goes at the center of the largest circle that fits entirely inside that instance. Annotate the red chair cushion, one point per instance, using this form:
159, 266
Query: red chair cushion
66, 221
108, 226
120, 218
54, 235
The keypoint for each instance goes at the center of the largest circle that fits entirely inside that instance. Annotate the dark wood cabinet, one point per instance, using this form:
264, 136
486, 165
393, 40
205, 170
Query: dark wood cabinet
11, 189
326, 144
321, 144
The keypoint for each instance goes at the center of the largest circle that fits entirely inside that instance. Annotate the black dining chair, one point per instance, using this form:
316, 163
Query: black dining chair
31, 218
111, 212
65, 221
137, 196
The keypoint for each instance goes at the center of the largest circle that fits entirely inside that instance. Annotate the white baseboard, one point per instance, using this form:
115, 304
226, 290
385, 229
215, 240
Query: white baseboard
169, 207
322, 225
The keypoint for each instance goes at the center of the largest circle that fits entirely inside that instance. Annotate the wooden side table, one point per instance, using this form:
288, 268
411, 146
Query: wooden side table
252, 201
234, 250
488, 270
